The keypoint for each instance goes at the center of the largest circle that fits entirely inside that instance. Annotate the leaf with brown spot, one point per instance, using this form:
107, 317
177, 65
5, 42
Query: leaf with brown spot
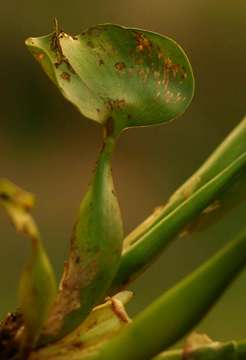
95, 252
132, 59
103, 323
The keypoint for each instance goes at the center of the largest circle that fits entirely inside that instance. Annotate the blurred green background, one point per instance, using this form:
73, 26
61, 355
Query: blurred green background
49, 149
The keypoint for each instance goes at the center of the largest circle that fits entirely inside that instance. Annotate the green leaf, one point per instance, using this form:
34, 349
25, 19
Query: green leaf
130, 76
200, 347
229, 150
136, 258
104, 321
230, 350
37, 283
95, 252
231, 197
179, 309
145, 243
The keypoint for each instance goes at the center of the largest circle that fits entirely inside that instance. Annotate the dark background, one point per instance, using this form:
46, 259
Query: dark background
49, 149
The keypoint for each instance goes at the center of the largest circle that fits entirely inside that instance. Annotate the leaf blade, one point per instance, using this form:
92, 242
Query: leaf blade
136, 258
175, 312
37, 287
95, 252
229, 150
134, 76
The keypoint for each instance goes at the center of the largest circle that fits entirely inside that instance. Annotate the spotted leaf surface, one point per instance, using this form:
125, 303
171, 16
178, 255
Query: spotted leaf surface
130, 76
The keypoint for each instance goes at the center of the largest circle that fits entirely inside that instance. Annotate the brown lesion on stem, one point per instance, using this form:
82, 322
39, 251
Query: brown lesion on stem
115, 104
76, 276
109, 127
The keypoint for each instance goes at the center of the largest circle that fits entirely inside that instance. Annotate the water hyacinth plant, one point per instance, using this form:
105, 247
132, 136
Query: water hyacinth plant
121, 78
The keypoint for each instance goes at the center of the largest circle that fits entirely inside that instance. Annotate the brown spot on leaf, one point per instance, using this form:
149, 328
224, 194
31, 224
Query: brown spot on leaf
65, 76
39, 56
120, 66
76, 277
174, 69
212, 207
116, 104
168, 63
101, 62
143, 43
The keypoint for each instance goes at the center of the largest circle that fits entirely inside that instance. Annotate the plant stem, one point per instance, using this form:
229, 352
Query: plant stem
148, 247
95, 252
228, 151
178, 310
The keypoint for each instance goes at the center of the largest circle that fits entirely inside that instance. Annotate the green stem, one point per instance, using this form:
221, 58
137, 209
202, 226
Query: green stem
95, 252
178, 310
228, 151
148, 247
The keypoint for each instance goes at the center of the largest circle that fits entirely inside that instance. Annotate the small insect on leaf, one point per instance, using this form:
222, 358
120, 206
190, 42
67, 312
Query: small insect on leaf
37, 283
103, 323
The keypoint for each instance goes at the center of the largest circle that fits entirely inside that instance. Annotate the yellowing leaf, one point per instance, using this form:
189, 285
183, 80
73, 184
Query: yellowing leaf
37, 283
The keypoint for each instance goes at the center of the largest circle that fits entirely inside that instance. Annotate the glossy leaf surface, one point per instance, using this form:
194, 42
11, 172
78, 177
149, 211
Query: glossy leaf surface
133, 76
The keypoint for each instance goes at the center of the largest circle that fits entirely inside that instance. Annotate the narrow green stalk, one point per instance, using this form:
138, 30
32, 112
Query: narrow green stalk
178, 310
136, 258
228, 151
